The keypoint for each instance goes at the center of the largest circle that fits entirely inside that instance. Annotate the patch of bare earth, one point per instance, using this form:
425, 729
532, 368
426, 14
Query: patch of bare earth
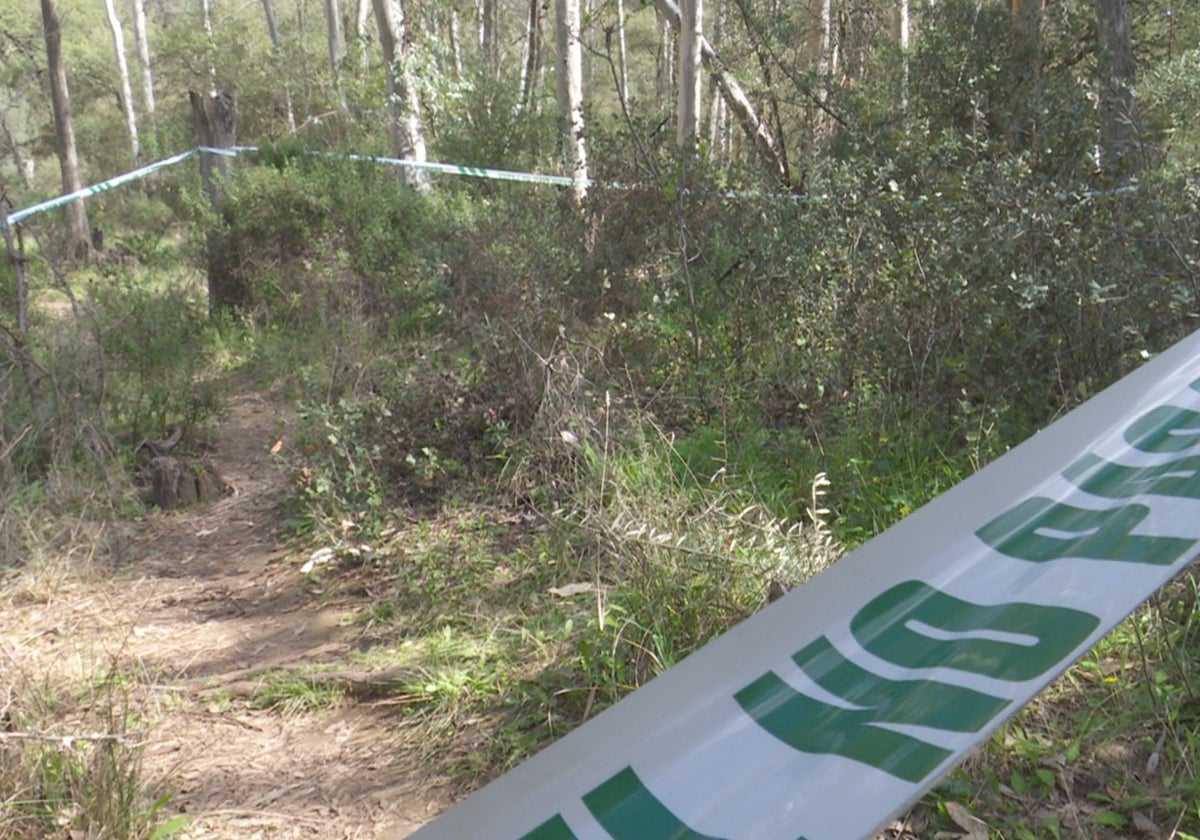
205, 603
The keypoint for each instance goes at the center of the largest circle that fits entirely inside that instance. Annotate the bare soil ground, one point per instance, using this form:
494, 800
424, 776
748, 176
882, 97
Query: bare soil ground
202, 604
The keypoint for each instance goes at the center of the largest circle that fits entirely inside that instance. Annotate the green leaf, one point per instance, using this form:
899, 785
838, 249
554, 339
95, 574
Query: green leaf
169, 828
1111, 819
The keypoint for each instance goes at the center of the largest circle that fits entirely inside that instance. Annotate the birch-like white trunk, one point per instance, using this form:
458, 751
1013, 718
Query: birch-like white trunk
902, 26
403, 101
333, 34
622, 56
691, 21
142, 45
456, 44
739, 103
570, 92
720, 145
206, 11
127, 105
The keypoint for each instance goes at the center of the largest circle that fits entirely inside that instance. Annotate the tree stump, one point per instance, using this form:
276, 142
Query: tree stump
179, 482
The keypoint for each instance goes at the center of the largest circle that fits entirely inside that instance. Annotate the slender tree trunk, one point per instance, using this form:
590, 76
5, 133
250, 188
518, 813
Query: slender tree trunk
333, 39
489, 39
691, 22
142, 43
1118, 132
901, 26
570, 92
127, 105
333, 33
210, 43
664, 77
404, 104
533, 53
622, 56
1026, 17
362, 31
718, 111
79, 234
456, 44
743, 109
277, 44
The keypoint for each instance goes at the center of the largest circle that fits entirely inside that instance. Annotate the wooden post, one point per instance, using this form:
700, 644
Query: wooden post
216, 123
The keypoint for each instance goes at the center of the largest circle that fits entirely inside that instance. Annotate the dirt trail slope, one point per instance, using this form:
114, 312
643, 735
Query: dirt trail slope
204, 603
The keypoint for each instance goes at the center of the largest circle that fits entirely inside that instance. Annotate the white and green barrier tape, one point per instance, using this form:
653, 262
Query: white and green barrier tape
427, 166
828, 712
96, 189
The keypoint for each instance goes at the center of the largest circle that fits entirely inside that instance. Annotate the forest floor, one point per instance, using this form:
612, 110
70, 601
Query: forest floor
221, 644
201, 608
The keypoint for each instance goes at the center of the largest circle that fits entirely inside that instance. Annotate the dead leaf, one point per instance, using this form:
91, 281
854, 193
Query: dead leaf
1144, 825
975, 828
573, 589
278, 445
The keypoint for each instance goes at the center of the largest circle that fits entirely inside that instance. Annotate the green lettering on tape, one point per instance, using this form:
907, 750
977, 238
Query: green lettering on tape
1041, 529
554, 828
916, 702
628, 811
1167, 428
811, 726
1179, 479
913, 625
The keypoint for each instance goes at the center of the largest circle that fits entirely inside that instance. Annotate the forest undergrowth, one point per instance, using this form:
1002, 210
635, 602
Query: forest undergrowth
556, 449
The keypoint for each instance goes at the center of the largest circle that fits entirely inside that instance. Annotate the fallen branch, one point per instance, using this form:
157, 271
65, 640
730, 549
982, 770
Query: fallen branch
68, 741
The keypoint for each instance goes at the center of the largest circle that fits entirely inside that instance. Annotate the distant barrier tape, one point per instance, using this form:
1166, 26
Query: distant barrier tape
96, 189
427, 166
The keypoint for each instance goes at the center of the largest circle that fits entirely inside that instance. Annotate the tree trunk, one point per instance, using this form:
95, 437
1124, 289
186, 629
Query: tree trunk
79, 235
719, 136
333, 32
691, 21
362, 31
488, 36
216, 124
570, 92
455, 45
1118, 132
533, 53
118, 37
623, 56
1026, 17
754, 127
277, 43
664, 77
901, 25
143, 53
206, 10
403, 102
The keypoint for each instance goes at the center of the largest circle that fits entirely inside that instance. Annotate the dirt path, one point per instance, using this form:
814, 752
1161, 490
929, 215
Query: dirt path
205, 601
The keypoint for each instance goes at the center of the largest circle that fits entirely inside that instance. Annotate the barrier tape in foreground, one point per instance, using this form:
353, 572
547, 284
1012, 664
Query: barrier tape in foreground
826, 713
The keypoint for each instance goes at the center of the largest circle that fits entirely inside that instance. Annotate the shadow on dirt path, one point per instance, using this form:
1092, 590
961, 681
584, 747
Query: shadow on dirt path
206, 602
